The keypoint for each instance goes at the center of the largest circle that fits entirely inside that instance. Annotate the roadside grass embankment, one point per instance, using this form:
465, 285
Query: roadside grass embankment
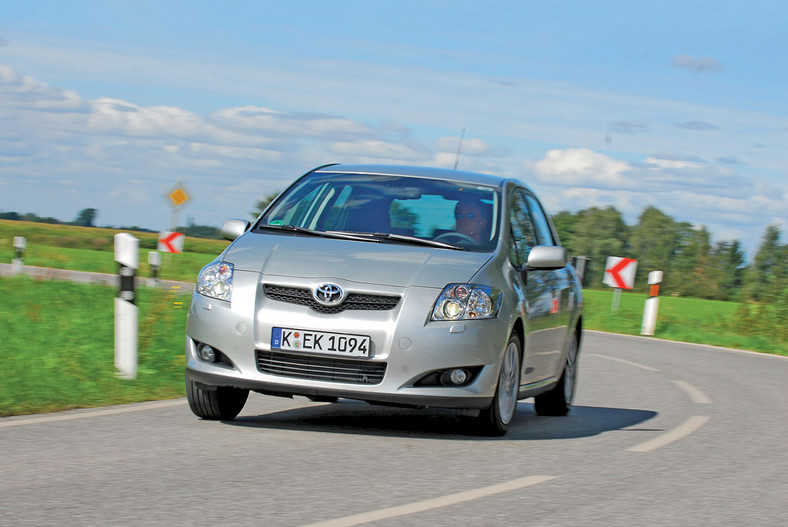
58, 346
754, 327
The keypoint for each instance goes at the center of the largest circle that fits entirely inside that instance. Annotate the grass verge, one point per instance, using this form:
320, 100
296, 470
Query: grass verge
726, 324
58, 350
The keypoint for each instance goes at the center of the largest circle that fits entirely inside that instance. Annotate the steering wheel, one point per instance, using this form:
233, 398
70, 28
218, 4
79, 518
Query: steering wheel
455, 237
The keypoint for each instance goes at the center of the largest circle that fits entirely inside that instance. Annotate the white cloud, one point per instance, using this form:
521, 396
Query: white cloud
696, 65
272, 122
628, 127
584, 168
697, 125
381, 151
119, 117
581, 167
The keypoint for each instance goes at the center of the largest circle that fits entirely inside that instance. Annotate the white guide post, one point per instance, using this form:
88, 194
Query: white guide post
17, 263
652, 304
154, 260
127, 255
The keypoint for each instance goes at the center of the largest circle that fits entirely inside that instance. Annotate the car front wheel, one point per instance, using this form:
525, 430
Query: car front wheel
217, 403
495, 419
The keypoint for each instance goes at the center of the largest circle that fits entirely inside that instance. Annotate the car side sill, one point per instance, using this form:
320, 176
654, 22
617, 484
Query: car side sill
537, 388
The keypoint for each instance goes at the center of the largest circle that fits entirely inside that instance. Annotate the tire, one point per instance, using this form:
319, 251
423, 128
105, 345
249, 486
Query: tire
219, 403
496, 419
558, 401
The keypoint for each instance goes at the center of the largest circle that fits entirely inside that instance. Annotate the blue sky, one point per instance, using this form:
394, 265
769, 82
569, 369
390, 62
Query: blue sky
680, 105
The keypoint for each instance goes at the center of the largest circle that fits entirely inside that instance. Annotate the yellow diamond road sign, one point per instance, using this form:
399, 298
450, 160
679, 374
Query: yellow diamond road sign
178, 196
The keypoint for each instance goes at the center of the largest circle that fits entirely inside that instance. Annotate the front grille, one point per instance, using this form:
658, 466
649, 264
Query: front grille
328, 369
354, 301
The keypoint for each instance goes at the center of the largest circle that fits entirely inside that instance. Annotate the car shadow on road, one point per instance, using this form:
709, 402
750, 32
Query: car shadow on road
351, 417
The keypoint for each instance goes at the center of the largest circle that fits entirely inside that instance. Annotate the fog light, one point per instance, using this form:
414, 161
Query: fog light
455, 377
458, 376
207, 353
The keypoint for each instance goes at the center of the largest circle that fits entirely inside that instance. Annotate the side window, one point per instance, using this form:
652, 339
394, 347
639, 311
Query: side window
542, 225
523, 233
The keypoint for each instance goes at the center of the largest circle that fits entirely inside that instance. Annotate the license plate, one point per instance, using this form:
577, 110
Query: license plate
320, 342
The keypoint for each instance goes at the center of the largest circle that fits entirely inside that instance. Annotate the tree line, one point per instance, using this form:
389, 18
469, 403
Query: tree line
84, 218
87, 218
692, 265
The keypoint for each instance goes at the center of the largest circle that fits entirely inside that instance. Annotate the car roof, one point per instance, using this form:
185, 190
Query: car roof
417, 171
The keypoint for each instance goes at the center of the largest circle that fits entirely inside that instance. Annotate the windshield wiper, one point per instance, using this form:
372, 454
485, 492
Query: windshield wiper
380, 236
311, 232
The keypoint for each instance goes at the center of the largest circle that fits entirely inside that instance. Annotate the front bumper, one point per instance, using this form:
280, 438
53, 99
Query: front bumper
210, 380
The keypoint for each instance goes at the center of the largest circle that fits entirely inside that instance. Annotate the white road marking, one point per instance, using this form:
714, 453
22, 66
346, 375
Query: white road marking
91, 413
443, 501
695, 394
635, 364
690, 426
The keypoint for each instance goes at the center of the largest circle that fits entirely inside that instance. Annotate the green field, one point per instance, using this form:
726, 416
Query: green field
59, 336
92, 249
726, 324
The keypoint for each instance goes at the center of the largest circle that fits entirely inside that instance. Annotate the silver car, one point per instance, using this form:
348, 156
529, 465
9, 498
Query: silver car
396, 285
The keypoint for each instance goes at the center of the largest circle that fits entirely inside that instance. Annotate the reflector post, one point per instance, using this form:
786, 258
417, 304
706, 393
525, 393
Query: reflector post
127, 256
652, 304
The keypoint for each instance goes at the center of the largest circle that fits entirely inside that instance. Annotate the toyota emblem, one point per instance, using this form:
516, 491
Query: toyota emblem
328, 294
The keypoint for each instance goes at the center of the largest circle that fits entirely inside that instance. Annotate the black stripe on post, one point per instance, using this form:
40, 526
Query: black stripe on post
127, 284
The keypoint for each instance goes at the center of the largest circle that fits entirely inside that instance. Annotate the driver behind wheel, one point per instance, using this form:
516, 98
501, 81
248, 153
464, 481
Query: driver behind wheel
473, 219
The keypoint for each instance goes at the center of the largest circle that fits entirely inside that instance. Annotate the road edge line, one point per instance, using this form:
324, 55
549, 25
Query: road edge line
8, 422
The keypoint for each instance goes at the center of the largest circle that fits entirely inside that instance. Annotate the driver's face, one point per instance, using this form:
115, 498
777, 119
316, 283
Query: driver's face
470, 221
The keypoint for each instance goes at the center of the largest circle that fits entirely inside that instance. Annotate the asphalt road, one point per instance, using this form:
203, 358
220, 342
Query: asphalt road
662, 434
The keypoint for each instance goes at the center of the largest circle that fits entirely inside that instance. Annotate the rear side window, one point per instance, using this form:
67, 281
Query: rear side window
523, 231
542, 225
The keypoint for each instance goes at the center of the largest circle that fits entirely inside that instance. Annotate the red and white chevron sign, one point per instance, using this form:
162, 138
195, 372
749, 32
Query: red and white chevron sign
620, 272
171, 242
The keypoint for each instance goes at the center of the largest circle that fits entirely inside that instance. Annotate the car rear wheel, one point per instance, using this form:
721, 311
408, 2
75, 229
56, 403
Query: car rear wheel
495, 419
217, 403
558, 401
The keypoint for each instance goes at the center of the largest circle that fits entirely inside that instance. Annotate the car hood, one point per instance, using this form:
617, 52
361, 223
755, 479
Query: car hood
392, 264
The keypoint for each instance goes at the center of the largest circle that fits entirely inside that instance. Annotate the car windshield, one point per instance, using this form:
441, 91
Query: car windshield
421, 209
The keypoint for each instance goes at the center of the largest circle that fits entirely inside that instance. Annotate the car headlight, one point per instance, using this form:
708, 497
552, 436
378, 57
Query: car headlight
466, 302
216, 280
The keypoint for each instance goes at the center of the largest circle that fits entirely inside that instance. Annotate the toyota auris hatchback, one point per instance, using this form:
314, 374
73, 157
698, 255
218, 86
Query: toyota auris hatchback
396, 285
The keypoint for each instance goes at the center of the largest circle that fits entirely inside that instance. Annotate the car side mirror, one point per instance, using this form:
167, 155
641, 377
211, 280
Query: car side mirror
547, 258
233, 229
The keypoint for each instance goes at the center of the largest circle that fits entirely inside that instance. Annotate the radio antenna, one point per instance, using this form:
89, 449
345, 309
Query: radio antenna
459, 149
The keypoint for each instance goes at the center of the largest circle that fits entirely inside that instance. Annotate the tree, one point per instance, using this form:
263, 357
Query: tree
655, 240
768, 275
565, 223
86, 217
727, 264
261, 204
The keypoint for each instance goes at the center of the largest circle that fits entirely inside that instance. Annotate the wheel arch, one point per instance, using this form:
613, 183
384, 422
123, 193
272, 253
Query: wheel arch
519, 329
